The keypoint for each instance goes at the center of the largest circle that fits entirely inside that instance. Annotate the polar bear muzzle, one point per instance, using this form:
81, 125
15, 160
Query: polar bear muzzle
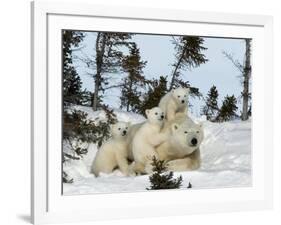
194, 141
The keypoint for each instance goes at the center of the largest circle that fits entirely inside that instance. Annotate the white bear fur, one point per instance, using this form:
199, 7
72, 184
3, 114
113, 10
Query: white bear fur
129, 139
113, 153
175, 103
146, 138
178, 149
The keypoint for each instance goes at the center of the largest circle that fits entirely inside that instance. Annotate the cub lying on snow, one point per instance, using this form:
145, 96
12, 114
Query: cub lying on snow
147, 136
182, 148
174, 103
114, 152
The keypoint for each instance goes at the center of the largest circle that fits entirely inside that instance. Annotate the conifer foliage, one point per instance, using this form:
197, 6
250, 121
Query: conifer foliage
157, 88
188, 55
228, 109
72, 84
78, 129
211, 108
160, 179
108, 60
132, 84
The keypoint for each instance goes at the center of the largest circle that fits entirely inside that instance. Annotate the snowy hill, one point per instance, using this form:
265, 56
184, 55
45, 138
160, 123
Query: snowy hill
226, 160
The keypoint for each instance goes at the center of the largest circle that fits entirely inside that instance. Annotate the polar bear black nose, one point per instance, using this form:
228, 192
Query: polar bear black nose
162, 117
182, 101
124, 132
194, 141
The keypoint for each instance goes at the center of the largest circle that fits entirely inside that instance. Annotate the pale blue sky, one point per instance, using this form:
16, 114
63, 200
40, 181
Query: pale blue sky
158, 51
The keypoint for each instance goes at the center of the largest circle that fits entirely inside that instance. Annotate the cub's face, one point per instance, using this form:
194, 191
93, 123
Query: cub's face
190, 137
155, 115
119, 129
181, 95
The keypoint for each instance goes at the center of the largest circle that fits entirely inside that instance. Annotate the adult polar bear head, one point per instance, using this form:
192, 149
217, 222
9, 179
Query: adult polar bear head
188, 135
185, 139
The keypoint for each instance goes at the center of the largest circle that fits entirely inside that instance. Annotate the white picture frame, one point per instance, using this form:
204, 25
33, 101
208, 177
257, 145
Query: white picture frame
48, 205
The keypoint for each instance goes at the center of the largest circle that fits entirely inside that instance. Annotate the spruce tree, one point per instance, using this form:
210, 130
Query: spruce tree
160, 179
211, 108
228, 109
108, 60
130, 92
188, 55
72, 84
156, 90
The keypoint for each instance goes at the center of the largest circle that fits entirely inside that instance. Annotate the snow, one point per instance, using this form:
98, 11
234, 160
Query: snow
225, 152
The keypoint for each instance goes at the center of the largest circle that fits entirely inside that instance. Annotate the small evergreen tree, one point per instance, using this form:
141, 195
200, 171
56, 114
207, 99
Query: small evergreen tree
72, 84
78, 131
228, 109
211, 108
161, 179
130, 94
157, 89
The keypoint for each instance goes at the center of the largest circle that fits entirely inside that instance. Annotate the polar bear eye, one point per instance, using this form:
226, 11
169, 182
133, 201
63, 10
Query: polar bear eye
179, 96
185, 96
185, 132
126, 127
156, 113
119, 128
197, 132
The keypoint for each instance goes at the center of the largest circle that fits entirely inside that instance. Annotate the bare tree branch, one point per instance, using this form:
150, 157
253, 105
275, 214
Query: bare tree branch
113, 86
236, 63
78, 49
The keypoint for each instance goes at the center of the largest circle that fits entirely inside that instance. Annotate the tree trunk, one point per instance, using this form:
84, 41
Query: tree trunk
176, 69
247, 75
100, 48
130, 91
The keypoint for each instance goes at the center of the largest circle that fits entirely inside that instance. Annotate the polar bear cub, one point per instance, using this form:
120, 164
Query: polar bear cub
174, 102
113, 153
146, 138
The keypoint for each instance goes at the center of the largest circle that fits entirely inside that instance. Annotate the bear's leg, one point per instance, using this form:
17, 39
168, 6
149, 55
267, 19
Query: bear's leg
170, 114
185, 164
122, 164
102, 165
158, 139
105, 169
148, 161
138, 168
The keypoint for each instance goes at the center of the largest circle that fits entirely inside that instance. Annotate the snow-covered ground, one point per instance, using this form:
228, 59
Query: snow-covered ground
226, 161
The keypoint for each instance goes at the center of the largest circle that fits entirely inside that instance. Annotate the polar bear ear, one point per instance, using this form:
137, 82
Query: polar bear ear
175, 126
147, 112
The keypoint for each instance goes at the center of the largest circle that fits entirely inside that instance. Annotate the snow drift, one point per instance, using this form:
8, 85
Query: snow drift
225, 152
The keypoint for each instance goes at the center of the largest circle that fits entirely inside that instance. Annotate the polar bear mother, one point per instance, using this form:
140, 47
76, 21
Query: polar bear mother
182, 148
